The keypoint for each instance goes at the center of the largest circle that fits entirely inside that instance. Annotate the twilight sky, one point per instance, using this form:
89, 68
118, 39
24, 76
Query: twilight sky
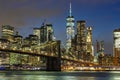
24, 15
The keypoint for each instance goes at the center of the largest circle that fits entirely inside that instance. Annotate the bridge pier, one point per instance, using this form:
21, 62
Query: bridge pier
53, 64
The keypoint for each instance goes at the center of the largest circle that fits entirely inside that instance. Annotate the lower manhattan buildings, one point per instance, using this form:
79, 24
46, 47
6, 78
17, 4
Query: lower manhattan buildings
14, 41
82, 45
45, 33
43, 42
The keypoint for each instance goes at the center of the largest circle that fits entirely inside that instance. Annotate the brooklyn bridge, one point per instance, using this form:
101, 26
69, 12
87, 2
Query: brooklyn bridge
55, 59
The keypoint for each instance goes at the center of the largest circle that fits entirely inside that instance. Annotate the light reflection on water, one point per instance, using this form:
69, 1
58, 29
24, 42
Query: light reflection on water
60, 76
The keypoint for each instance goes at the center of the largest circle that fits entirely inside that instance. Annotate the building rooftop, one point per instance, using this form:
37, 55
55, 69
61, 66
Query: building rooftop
117, 30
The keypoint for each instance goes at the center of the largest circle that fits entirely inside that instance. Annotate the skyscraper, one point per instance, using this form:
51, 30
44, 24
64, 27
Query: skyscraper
70, 29
116, 46
46, 33
50, 32
7, 32
81, 38
89, 41
116, 35
37, 33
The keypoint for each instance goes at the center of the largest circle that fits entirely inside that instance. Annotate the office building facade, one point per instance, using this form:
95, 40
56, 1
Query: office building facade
116, 35
81, 38
7, 32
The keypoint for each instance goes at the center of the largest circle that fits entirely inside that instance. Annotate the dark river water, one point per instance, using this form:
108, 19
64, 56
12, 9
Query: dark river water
41, 75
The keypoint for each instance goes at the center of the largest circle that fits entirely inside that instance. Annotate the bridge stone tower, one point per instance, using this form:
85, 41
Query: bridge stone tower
54, 63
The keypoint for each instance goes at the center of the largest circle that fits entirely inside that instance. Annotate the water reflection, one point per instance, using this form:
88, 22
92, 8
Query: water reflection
37, 77
61, 76
34, 77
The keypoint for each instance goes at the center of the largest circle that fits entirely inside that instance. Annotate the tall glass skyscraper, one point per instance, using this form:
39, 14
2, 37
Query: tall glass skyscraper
70, 29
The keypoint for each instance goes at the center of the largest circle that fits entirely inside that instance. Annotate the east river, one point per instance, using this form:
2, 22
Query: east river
41, 75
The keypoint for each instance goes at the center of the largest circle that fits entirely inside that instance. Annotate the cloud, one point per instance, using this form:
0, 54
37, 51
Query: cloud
19, 12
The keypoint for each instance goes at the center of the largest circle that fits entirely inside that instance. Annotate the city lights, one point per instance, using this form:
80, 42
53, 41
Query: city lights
41, 50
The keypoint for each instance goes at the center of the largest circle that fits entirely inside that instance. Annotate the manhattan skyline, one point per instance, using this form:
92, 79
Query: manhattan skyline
24, 15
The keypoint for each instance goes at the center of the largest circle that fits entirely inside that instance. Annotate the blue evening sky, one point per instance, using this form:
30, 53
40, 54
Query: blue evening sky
24, 15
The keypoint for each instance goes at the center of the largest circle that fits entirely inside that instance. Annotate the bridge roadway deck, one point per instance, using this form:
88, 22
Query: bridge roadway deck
44, 55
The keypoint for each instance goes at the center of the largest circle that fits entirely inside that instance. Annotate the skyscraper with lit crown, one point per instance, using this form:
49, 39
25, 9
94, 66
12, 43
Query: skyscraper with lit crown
70, 29
89, 43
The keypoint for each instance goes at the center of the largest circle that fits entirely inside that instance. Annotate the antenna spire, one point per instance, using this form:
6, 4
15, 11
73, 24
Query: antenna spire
44, 22
70, 9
